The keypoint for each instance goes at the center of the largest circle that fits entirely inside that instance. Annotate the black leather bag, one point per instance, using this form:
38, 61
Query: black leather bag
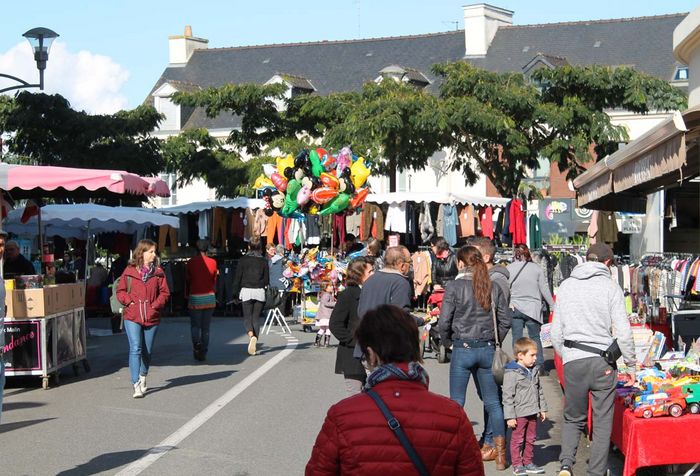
272, 297
610, 355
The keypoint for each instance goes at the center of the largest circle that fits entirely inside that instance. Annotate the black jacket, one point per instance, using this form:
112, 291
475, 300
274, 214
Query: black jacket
462, 317
252, 272
444, 270
343, 323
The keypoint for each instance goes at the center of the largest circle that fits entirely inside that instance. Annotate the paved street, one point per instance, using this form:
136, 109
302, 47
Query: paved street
233, 414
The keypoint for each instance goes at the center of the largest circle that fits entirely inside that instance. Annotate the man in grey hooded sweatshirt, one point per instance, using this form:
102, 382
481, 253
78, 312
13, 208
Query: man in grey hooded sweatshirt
590, 307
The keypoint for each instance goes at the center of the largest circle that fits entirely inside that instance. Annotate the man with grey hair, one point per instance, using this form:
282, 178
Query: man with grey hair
15, 263
202, 272
389, 285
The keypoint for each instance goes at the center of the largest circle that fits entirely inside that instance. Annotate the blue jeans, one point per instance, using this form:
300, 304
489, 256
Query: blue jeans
467, 362
200, 320
520, 321
140, 348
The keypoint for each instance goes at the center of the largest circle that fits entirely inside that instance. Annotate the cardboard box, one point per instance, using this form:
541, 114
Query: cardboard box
77, 295
63, 296
34, 302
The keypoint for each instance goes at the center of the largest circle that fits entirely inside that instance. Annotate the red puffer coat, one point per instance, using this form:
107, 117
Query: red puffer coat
143, 302
356, 439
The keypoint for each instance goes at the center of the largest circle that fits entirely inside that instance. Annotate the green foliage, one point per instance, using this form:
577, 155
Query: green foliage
500, 123
45, 130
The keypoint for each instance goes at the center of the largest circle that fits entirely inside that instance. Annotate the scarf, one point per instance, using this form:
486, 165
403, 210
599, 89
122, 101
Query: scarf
147, 271
392, 372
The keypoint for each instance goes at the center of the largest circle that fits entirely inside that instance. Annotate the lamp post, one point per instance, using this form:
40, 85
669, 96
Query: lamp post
41, 40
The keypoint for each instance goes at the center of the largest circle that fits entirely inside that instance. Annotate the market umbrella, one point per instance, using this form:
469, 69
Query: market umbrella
39, 181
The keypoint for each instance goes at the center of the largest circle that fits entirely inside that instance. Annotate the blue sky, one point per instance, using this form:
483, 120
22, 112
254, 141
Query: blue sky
110, 53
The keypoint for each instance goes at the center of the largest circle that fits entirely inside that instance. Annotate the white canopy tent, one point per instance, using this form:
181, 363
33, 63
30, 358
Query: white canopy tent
239, 202
81, 219
436, 197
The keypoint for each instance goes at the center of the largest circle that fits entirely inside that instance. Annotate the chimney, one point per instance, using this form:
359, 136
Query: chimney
181, 47
481, 21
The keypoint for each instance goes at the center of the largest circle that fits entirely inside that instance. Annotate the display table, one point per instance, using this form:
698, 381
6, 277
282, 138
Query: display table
43, 346
656, 441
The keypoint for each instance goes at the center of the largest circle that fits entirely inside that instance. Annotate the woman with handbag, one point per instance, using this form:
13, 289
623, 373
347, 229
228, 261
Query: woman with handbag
528, 287
249, 283
431, 435
474, 319
143, 291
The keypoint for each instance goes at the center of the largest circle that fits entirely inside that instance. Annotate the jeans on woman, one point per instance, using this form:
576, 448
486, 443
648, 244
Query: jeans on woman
477, 361
520, 321
140, 347
200, 321
251, 312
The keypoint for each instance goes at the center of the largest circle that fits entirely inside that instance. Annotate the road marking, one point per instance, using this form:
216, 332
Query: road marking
202, 417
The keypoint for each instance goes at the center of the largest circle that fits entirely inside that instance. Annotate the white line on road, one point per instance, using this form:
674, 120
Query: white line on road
191, 426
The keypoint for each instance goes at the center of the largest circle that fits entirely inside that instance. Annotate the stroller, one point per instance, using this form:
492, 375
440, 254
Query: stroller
431, 336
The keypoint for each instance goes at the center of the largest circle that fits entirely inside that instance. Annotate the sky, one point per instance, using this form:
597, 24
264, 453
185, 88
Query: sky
110, 53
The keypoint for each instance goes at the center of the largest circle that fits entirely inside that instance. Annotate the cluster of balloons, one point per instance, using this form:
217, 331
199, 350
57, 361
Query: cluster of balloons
315, 182
311, 268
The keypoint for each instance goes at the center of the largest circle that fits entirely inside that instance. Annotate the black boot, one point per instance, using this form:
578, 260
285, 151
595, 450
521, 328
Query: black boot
318, 340
197, 352
326, 341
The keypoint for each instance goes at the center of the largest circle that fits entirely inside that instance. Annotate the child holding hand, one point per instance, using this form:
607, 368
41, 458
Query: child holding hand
326, 303
523, 402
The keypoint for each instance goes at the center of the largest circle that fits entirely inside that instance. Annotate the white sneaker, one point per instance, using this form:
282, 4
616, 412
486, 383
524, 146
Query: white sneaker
142, 383
138, 393
252, 344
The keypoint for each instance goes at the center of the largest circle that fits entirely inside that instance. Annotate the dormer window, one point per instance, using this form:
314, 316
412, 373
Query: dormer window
681, 74
405, 75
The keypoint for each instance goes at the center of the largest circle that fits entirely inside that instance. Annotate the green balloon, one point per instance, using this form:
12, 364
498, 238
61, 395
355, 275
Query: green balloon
337, 205
316, 166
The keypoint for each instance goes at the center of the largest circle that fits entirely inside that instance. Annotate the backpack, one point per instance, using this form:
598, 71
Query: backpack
114, 303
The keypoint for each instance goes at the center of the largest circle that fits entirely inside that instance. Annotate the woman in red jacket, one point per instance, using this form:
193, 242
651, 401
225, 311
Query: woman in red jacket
356, 439
143, 291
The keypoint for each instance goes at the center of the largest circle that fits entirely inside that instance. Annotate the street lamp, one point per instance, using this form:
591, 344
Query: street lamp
40, 39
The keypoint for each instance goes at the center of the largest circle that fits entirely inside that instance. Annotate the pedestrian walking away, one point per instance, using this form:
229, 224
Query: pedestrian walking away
523, 403
428, 434
466, 325
343, 323
499, 277
528, 287
249, 283
143, 291
202, 273
589, 305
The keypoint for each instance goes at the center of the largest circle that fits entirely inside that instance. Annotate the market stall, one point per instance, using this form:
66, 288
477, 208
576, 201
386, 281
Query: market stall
44, 325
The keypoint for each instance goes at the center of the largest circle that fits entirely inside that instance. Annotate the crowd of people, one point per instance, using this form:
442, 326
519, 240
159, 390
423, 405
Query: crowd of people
379, 358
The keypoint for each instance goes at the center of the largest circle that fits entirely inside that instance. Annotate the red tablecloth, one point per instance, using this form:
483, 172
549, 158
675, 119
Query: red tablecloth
656, 441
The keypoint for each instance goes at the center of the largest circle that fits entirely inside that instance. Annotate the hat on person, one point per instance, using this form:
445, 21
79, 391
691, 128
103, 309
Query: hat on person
600, 252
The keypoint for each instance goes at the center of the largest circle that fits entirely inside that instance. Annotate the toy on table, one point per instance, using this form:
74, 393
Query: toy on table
670, 403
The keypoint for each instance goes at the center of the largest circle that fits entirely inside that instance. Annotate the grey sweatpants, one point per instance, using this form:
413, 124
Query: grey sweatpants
582, 376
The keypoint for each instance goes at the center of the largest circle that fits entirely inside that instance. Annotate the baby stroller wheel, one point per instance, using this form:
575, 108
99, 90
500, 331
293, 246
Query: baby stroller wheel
442, 356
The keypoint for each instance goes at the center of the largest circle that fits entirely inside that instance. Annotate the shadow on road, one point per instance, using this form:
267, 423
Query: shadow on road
9, 406
104, 462
190, 380
4, 428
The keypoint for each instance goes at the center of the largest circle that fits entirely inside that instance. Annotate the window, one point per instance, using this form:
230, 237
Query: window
681, 74
171, 180
171, 111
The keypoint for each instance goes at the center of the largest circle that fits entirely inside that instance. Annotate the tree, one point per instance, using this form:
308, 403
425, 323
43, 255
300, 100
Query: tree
393, 123
43, 129
499, 124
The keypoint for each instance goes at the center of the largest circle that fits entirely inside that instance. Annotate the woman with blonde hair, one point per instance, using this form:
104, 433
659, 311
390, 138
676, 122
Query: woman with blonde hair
467, 325
143, 291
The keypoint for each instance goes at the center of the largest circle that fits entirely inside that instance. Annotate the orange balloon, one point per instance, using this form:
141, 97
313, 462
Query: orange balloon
359, 198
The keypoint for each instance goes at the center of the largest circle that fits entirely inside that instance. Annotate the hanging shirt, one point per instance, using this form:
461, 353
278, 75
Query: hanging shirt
450, 223
396, 218
593, 228
466, 221
425, 222
607, 227
516, 225
203, 224
535, 232
486, 221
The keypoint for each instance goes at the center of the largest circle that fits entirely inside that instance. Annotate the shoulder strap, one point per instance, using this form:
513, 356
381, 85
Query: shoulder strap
400, 434
518, 273
583, 347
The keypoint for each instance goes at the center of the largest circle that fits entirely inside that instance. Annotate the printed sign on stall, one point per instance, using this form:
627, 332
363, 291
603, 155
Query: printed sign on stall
22, 347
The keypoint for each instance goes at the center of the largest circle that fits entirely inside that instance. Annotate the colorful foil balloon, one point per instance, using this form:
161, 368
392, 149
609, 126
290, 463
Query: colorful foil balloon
359, 172
337, 205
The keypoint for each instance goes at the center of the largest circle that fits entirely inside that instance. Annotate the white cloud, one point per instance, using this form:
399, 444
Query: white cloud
91, 82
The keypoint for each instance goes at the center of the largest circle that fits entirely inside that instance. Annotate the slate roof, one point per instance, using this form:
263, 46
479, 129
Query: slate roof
646, 43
